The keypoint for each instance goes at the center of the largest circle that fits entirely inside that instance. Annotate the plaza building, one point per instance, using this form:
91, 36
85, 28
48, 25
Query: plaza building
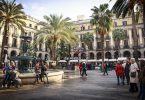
14, 42
93, 51
86, 52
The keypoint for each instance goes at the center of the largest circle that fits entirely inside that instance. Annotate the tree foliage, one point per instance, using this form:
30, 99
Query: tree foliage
11, 15
54, 30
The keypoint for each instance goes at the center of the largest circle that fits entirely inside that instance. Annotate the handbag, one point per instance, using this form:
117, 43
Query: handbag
133, 74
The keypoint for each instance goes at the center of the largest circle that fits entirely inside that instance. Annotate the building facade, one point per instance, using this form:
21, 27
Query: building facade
14, 42
126, 45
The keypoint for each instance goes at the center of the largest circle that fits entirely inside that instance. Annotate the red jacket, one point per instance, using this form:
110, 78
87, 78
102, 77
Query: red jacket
119, 70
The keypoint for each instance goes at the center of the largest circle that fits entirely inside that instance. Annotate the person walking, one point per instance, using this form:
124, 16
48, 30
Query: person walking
133, 76
105, 69
43, 71
142, 81
126, 66
37, 71
80, 68
84, 69
119, 72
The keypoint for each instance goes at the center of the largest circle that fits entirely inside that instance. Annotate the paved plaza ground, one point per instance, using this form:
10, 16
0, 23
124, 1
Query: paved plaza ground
94, 87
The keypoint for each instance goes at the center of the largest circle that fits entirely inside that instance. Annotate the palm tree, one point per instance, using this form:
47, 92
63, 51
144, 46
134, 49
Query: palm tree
124, 7
56, 29
102, 20
11, 14
118, 35
88, 38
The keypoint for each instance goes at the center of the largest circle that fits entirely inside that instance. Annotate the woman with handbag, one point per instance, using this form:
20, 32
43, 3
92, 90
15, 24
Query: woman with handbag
133, 76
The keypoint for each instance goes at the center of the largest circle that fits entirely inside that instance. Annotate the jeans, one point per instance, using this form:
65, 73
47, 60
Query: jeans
84, 72
105, 71
142, 92
6, 79
118, 80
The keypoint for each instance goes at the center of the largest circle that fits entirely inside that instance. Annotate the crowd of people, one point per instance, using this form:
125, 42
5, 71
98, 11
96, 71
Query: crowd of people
41, 68
130, 73
10, 75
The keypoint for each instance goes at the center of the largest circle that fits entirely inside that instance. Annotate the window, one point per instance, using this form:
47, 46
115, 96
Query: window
14, 44
126, 44
29, 33
30, 25
107, 45
115, 24
88, 27
35, 27
124, 23
83, 28
99, 45
40, 47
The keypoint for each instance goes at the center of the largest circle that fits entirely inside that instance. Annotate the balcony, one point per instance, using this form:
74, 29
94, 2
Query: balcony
126, 47
108, 48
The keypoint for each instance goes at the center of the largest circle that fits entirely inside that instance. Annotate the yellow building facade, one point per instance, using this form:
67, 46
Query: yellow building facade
126, 46
14, 42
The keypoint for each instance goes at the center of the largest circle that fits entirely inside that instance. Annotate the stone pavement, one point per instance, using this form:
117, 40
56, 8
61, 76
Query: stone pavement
93, 87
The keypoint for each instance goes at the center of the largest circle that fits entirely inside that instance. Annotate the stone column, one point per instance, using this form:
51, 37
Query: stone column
142, 53
95, 55
112, 54
121, 53
10, 41
121, 44
130, 38
80, 41
18, 42
95, 42
111, 41
43, 46
140, 37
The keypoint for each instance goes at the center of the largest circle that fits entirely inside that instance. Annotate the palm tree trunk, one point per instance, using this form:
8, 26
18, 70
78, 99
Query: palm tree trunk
4, 41
144, 17
102, 40
135, 38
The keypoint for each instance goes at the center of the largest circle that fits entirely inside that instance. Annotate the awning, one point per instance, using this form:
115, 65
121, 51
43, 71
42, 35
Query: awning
93, 60
73, 61
112, 60
62, 61
141, 58
122, 58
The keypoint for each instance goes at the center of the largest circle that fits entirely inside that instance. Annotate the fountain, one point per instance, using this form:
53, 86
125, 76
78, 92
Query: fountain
23, 65
24, 58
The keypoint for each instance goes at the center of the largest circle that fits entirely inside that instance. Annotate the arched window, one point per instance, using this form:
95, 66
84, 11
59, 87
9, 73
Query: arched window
91, 55
99, 55
126, 54
108, 55
83, 56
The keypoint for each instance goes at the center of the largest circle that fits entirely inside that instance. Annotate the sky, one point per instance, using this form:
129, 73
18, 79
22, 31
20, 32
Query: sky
67, 8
